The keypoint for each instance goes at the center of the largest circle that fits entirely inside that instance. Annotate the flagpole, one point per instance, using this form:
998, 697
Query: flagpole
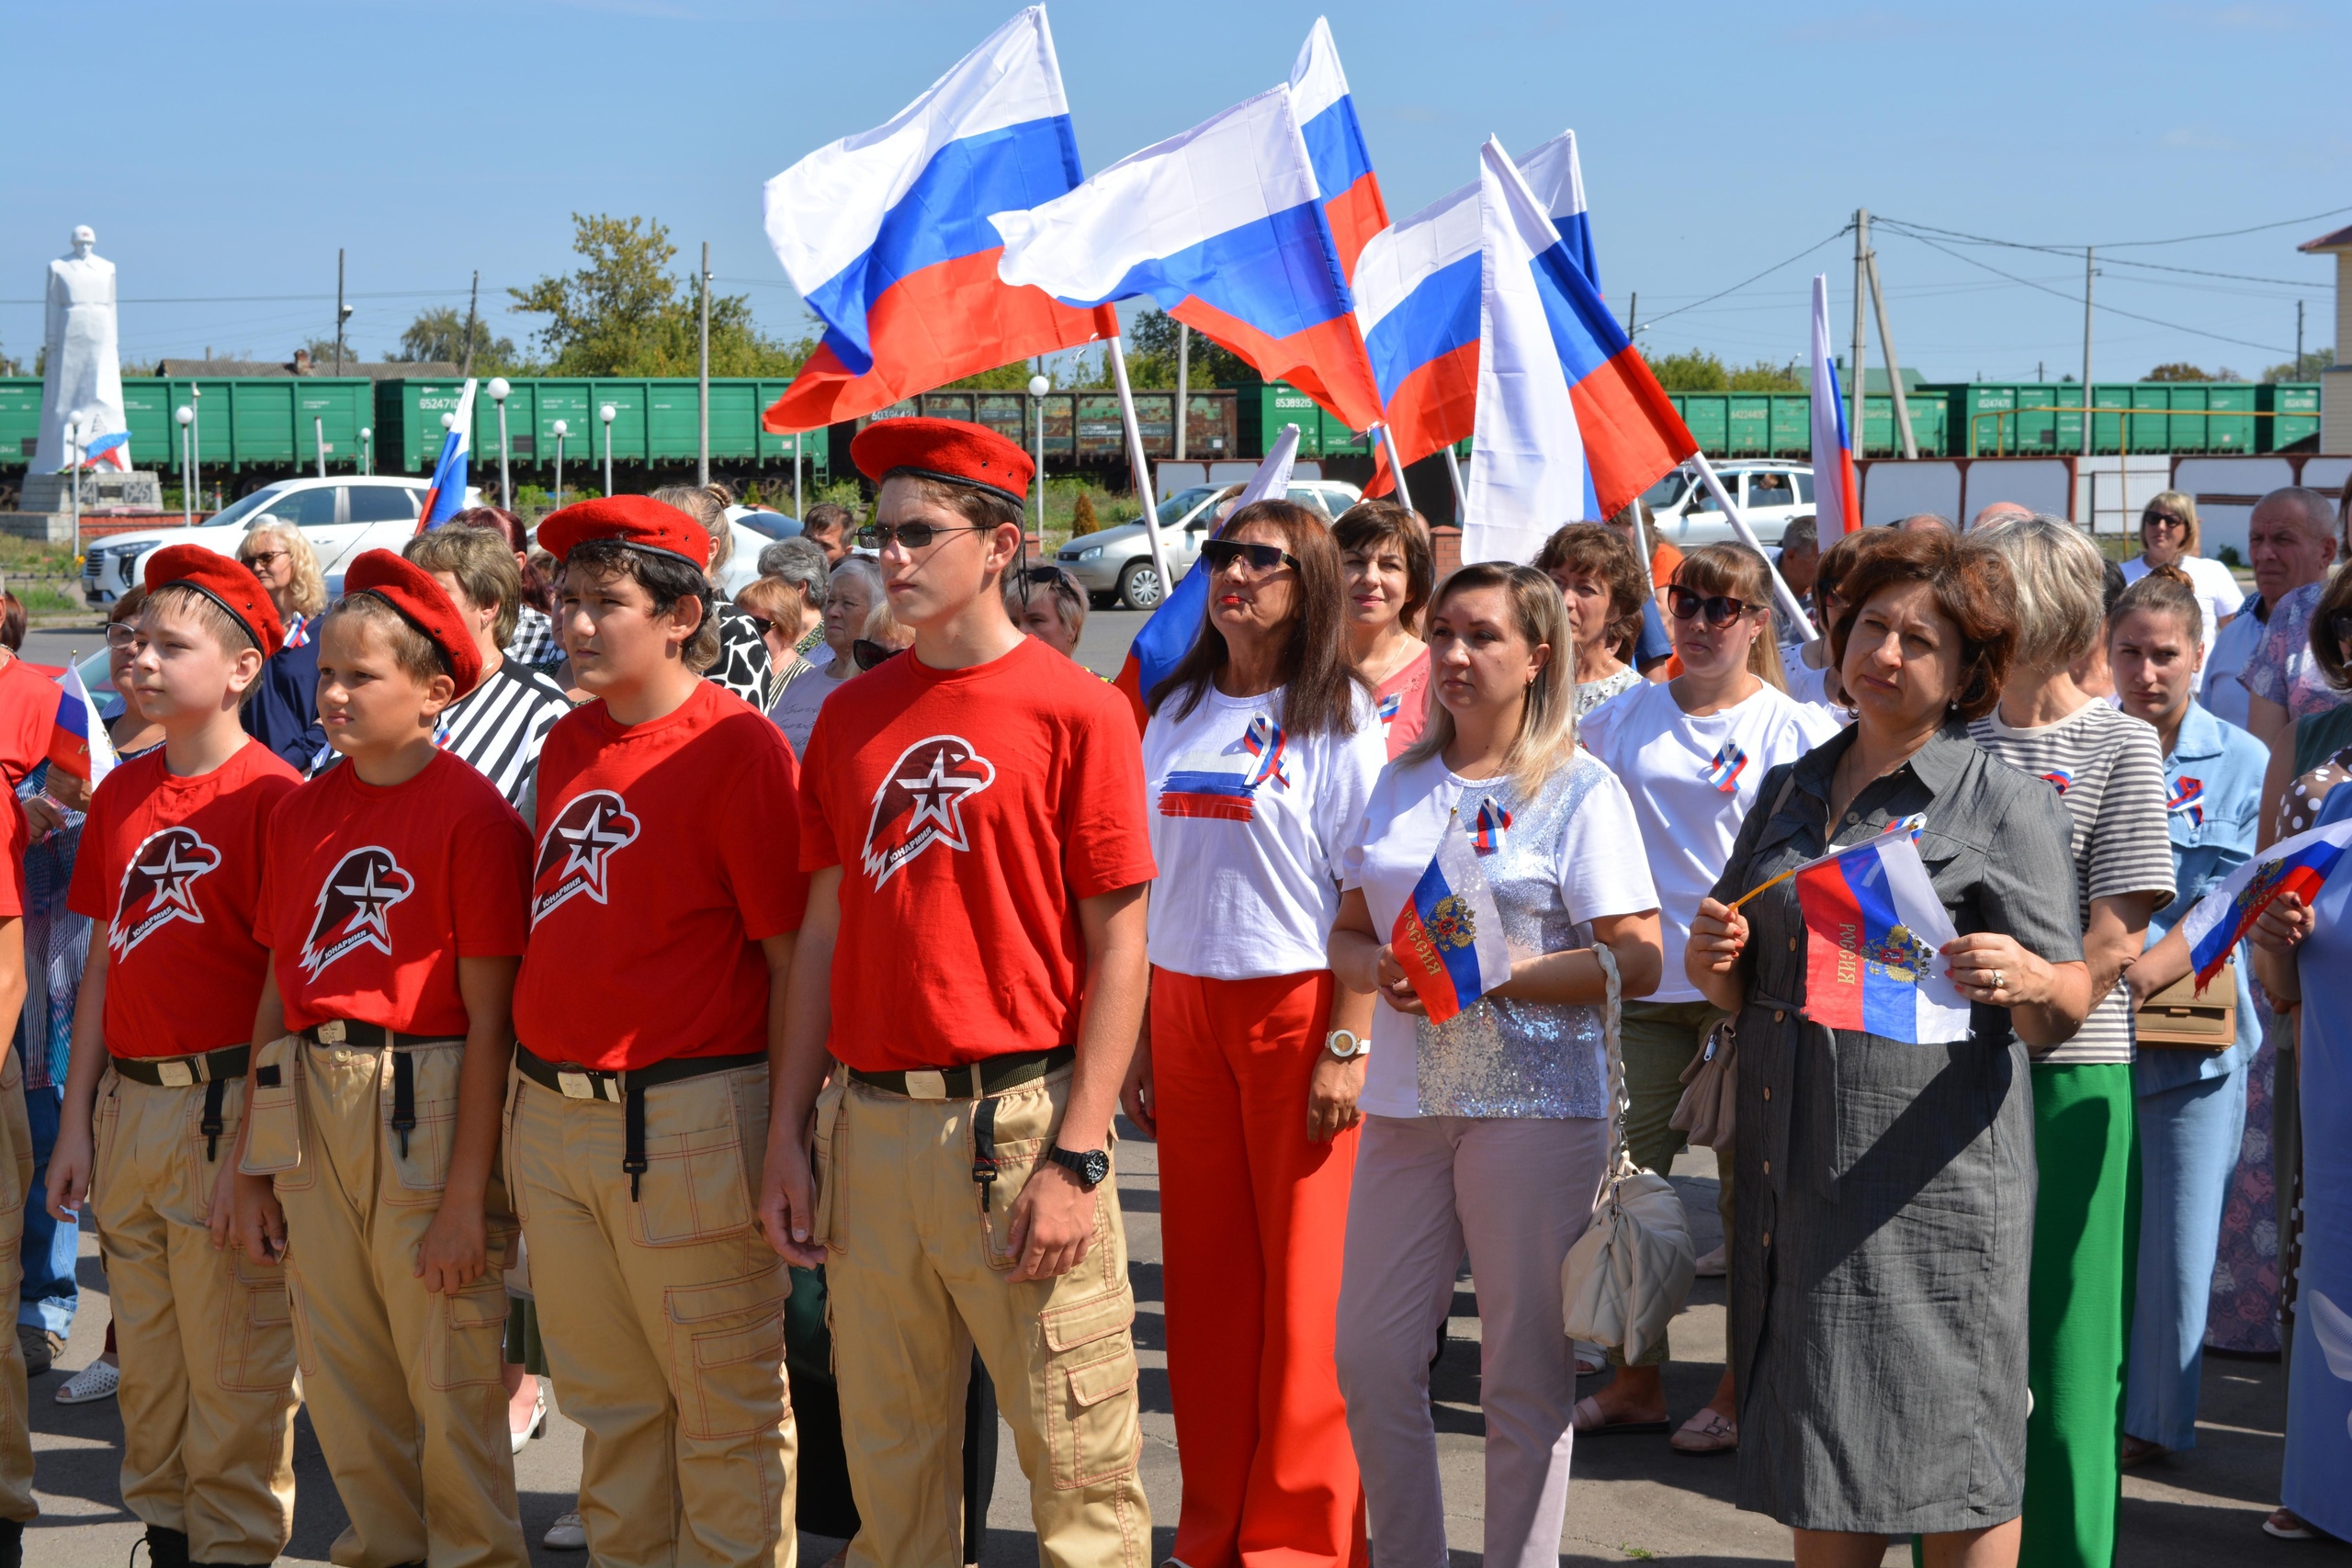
1396, 467
1747, 535
1144, 497
1461, 501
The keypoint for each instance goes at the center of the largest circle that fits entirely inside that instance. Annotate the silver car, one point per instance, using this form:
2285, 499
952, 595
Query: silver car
1113, 564
1769, 491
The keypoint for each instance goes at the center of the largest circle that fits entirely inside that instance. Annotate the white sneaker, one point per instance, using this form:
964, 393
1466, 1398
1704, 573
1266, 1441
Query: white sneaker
96, 1381
537, 1425
567, 1534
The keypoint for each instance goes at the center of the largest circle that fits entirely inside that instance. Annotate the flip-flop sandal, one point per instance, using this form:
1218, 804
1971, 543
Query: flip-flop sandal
1589, 1423
2293, 1529
1707, 1433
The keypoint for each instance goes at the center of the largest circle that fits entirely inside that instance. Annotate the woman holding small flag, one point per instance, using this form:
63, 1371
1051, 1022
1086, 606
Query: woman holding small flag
1261, 749
1886, 1176
1485, 1114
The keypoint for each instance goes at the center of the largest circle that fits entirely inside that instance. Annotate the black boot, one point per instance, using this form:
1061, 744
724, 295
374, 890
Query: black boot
12, 1544
165, 1548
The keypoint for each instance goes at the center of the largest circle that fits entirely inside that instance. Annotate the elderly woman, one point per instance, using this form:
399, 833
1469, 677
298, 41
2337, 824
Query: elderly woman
283, 711
800, 564
1884, 1224
1600, 579
1489, 1130
1390, 569
853, 592
1260, 753
1046, 602
2170, 535
2109, 775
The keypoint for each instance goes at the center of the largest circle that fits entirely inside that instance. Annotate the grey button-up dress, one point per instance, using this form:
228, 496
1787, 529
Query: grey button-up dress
1884, 1222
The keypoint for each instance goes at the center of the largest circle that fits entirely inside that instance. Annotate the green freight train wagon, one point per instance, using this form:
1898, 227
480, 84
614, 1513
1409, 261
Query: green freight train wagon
2023, 418
270, 424
1087, 428
655, 422
1779, 424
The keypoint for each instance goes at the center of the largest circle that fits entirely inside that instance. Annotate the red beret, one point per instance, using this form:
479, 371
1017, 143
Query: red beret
954, 450
422, 603
637, 521
228, 582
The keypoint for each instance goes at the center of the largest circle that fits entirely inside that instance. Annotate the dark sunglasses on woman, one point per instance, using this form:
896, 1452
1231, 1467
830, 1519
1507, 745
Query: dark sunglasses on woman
1717, 609
913, 535
1222, 553
870, 654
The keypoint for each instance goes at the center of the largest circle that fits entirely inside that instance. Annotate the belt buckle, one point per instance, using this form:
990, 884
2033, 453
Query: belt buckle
929, 1083
333, 1031
176, 1074
576, 1085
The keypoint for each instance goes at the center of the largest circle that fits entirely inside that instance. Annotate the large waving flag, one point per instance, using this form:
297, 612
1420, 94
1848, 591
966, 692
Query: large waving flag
1560, 390
1873, 927
1167, 636
2298, 865
1449, 936
1417, 301
446, 496
78, 744
1836, 507
1222, 227
1335, 150
885, 234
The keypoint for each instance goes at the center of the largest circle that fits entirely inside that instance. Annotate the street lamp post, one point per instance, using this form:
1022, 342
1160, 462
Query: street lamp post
796, 510
319, 442
560, 430
1039, 387
498, 390
367, 448
196, 434
607, 413
185, 416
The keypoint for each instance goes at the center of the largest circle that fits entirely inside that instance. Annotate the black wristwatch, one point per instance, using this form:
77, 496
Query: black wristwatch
1090, 1167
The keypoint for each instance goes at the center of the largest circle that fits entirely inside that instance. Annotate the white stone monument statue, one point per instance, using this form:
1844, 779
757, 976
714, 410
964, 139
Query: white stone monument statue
83, 380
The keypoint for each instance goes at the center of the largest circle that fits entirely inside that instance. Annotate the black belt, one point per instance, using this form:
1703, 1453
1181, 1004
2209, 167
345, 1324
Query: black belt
626, 1089
355, 1035
213, 1069
972, 1080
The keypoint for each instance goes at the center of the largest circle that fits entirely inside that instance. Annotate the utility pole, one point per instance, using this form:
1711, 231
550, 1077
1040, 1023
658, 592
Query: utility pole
342, 311
2087, 400
2299, 341
702, 371
1185, 379
1861, 282
1633, 314
473, 305
1893, 371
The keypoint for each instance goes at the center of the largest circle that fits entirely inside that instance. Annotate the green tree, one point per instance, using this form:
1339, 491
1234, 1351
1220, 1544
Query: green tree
1692, 370
438, 336
2178, 371
1151, 356
1766, 376
624, 313
2308, 369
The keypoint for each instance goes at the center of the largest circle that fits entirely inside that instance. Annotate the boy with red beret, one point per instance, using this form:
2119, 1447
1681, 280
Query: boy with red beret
392, 902
663, 902
973, 956
170, 874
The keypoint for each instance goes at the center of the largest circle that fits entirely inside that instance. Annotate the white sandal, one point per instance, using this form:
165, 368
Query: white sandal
96, 1381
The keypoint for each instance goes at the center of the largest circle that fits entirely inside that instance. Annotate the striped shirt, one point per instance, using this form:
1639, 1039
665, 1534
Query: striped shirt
2109, 773
500, 724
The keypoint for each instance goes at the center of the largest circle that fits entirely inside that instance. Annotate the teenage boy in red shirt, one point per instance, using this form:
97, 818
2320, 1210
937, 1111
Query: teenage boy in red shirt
663, 902
392, 901
972, 954
170, 875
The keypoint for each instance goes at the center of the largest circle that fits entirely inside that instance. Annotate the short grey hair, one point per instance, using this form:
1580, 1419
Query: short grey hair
862, 569
800, 562
2318, 512
2061, 581
1802, 533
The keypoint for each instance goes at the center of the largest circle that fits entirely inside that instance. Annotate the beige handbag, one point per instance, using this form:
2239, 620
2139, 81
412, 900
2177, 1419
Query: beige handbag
1630, 1271
1704, 1110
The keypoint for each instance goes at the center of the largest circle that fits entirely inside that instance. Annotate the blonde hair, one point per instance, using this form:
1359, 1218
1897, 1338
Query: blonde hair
697, 502
2174, 503
1547, 735
1740, 572
306, 595
2061, 586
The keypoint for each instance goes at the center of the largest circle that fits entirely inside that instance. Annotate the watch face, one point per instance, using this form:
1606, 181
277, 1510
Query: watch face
1098, 1166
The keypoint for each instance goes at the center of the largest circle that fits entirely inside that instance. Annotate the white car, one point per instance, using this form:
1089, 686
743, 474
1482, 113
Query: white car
1769, 492
1113, 564
341, 516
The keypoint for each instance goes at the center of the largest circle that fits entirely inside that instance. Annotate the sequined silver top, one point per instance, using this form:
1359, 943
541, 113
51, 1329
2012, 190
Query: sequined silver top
1498, 1057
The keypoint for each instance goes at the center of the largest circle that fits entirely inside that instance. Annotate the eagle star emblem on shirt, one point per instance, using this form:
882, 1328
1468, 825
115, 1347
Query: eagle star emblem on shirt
576, 855
921, 803
159, 887
354, 908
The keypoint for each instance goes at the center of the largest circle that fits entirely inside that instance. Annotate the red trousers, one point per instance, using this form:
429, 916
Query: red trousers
1253, 1221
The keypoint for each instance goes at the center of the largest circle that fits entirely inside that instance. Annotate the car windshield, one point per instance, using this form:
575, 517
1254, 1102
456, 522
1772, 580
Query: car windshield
1173, 510
237, 511
1667, 491
771, 524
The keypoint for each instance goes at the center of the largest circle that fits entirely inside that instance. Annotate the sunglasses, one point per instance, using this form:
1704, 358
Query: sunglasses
913, 535
1717, 609
870, 654
2339, 625
1223, 553
765, 623
2158, 520
261, 557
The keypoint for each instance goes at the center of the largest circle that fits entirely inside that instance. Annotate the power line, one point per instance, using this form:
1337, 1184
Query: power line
2122, 244
268, 299
1736, 287
1921, 231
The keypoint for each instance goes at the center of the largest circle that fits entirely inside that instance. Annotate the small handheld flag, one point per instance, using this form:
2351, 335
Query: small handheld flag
2300, 865
1873, 927
445, 497
1449, 936
78, 744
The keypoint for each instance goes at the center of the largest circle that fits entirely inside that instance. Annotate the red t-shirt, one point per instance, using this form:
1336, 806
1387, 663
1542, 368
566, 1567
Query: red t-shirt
970, 810
28, 716
170, 869
667, 852
372, 894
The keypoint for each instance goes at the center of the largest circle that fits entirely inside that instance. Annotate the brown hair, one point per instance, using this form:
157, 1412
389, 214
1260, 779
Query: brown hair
2325, 650
12, 621
127, 607
1369, 523
1548, 736
2165, 591
709, 513
228, 632
973, 506
483, 562
1318, 684
770, 596
1595, 549
1973, 590
539, 589
1740, 573
1842, 556
665, 579
418, 656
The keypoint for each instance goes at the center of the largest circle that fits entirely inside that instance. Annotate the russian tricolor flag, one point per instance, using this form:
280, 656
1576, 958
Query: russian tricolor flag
1449, 936
887, 236
446, 496
1224, 227
1335, 150
2298, 865
1873, 926
78, 744
1560, 390
1836, 505
1417, 302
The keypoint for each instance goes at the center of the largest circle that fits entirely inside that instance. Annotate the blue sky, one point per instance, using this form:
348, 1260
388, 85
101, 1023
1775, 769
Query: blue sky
224, 150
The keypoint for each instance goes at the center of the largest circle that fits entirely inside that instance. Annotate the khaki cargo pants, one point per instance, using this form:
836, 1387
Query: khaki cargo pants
917, 1277
402, 1383
15, 1191
664, 1318
206, 1338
